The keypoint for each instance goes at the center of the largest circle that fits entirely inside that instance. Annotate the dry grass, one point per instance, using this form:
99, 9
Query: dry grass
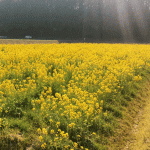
27, 41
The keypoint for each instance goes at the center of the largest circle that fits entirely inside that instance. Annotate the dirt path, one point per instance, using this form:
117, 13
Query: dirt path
140, 134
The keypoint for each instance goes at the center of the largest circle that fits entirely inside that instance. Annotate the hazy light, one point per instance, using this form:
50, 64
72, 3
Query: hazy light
141, 22
125, 18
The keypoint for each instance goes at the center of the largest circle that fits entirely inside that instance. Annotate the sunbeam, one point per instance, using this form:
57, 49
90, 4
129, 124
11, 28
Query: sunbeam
123, 18
130, 16
139, 17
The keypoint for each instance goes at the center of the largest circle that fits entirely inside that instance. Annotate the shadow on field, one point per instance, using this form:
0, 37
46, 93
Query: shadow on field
84, 41
100, 41
42, 41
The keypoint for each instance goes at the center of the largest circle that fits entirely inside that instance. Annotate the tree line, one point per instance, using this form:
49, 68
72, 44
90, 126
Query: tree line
97, 20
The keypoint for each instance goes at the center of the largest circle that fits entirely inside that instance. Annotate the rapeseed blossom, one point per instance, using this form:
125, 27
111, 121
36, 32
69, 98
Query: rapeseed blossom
58, 124
52, 131
40, 138
75, 145
43, 146
68, 85
44, 131
137, 78
39, 130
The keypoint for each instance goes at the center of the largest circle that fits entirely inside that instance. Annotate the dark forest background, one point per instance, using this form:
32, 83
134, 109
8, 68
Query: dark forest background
95, 20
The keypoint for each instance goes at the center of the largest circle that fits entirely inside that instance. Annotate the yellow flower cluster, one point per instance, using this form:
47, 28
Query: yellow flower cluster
71, 125
52, 131
137, 78
40, 138
43, 146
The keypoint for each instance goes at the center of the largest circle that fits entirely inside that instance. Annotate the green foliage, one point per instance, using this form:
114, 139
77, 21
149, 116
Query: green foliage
20, 124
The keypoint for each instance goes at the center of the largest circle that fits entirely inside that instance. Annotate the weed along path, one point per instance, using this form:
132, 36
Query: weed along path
140, 135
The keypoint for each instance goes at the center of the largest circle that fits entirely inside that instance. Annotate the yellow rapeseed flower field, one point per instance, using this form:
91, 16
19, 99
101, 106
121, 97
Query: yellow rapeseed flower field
72, 88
